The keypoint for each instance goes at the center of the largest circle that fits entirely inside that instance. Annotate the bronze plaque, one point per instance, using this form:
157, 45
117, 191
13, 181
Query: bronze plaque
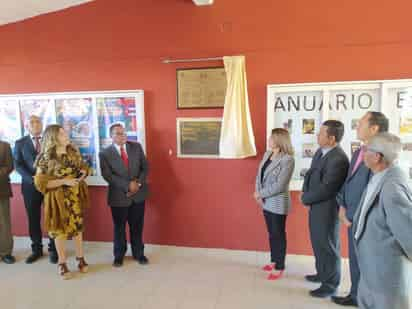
198, 137
201, 88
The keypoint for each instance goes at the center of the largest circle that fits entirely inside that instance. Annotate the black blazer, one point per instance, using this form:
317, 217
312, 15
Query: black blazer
118, 177
325, 177
24, 157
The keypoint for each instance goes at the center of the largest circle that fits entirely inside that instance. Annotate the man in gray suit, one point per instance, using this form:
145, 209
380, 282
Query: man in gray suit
349, 196
124, 167
382, 228
6, 238
322, 182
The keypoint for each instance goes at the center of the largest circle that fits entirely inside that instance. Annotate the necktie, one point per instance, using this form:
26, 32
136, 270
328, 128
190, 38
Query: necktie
124, 157
37, 144
359, 160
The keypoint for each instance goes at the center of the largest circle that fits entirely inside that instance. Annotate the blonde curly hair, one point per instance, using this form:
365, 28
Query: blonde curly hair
49, 144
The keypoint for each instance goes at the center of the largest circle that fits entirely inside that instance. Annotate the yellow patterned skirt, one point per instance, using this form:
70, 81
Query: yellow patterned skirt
74, 223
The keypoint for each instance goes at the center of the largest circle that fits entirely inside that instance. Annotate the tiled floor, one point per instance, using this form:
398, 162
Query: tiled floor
176, 278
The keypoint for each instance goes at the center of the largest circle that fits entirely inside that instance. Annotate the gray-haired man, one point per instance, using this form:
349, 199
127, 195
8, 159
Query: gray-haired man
382, 228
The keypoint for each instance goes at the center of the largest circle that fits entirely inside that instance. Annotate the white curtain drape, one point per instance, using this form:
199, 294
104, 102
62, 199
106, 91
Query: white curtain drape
237, 140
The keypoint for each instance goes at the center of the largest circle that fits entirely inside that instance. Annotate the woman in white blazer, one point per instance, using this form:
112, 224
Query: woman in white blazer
272, 194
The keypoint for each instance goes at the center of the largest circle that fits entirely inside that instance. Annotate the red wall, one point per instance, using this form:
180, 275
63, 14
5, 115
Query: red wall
115, 45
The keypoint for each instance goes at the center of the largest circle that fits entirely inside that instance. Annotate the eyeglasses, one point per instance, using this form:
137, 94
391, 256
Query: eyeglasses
119, 134
373, 150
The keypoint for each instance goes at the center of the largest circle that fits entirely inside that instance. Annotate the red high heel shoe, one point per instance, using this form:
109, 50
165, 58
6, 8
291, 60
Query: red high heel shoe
268, 267
276, 275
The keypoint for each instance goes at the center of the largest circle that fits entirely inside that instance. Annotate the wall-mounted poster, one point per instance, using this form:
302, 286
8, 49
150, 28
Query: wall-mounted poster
198, 137
122, 110
201, 88
41, 107
78, 113
299, 112
348, 106
398, 95
9, 121
308, 105
75, 115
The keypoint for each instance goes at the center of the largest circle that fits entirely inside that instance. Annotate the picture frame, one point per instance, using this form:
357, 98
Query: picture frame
201, 88
198, 137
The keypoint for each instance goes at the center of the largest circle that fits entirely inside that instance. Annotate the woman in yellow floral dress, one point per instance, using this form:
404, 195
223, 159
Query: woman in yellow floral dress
60, 174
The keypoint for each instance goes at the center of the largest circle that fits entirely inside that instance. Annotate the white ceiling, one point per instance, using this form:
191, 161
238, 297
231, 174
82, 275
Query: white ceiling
15, 10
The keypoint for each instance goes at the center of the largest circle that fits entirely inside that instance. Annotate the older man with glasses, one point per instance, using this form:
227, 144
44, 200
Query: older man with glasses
382, 229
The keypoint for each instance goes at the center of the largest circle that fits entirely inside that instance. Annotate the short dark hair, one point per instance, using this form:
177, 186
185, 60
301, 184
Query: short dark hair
380, 120
113, 126
335, 128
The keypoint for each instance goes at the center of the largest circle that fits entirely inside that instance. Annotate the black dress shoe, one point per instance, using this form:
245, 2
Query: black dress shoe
118, 262
313, 278
322, 292
142, 260
33, 257
345, 301
53, 257
8, 259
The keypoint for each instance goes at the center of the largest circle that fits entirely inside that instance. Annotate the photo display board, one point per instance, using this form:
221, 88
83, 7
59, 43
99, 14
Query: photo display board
86, 117
301, 108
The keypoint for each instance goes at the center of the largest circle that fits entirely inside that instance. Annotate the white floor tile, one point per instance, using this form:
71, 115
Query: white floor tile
176, 278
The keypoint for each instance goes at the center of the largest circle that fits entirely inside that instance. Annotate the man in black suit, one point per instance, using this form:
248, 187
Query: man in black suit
124, 167
321, 185
25, 152
351, 192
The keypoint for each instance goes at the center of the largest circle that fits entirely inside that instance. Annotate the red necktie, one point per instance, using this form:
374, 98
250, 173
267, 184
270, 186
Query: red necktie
37, 144
125, 159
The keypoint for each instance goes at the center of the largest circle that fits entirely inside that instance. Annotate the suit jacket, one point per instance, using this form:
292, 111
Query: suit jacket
6, 167
24, 157
325, 177
355, 183
119, 177
274, 189
384, 246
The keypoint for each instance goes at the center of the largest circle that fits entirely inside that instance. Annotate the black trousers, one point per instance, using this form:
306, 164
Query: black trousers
33, 200
276, 227
324, 235
134, 216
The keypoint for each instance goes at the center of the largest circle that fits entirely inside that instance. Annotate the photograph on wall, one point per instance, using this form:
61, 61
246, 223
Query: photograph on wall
354, 146
75, 115
201, 88
287, 125
405, 124
407, 146
308, 126
308, 150
117, 110
198, 137
9, 118
43, 108
354, 124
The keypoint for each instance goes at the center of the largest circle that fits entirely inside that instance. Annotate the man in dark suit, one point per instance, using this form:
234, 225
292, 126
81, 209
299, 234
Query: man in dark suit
321, 185
350, 194
6, 238
25, 152
124, 167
